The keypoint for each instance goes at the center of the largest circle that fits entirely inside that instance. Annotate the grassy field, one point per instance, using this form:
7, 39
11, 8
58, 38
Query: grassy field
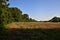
31, 31
32, 25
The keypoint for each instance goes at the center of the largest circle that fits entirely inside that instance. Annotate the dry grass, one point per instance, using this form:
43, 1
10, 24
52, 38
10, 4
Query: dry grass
44, 25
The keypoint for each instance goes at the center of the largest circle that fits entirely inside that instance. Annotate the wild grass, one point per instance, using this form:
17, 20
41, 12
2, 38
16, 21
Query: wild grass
32, 25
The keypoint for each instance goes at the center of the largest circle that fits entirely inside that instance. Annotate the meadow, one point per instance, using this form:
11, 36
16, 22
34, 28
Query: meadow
31, 31
32, 25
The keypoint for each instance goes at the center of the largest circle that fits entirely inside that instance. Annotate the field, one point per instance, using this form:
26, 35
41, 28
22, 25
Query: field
32, 25
31, 31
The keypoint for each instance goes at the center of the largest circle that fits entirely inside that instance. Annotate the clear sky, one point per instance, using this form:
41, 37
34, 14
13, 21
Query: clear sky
38, 9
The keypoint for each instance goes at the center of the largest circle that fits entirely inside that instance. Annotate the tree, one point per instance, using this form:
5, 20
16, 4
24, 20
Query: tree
16, 14
3, 12
25, 17
32, 20
4, 3
55, 19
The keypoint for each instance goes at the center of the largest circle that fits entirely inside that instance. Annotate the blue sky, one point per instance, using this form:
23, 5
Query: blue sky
38, 9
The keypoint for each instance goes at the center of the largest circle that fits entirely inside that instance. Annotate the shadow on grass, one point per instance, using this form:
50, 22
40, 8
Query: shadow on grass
30, 34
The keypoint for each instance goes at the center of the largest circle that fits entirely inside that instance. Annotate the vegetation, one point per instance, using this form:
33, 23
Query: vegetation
55, 19
13, 14
30, 34
9, 15
32, 25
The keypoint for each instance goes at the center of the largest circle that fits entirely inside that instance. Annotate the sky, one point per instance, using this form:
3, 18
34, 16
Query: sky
40, 10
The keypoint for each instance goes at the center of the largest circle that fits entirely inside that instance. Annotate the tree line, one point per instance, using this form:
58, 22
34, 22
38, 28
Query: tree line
12, 14
55, 19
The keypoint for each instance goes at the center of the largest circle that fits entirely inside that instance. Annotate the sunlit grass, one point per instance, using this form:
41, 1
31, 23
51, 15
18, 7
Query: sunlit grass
32, 25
